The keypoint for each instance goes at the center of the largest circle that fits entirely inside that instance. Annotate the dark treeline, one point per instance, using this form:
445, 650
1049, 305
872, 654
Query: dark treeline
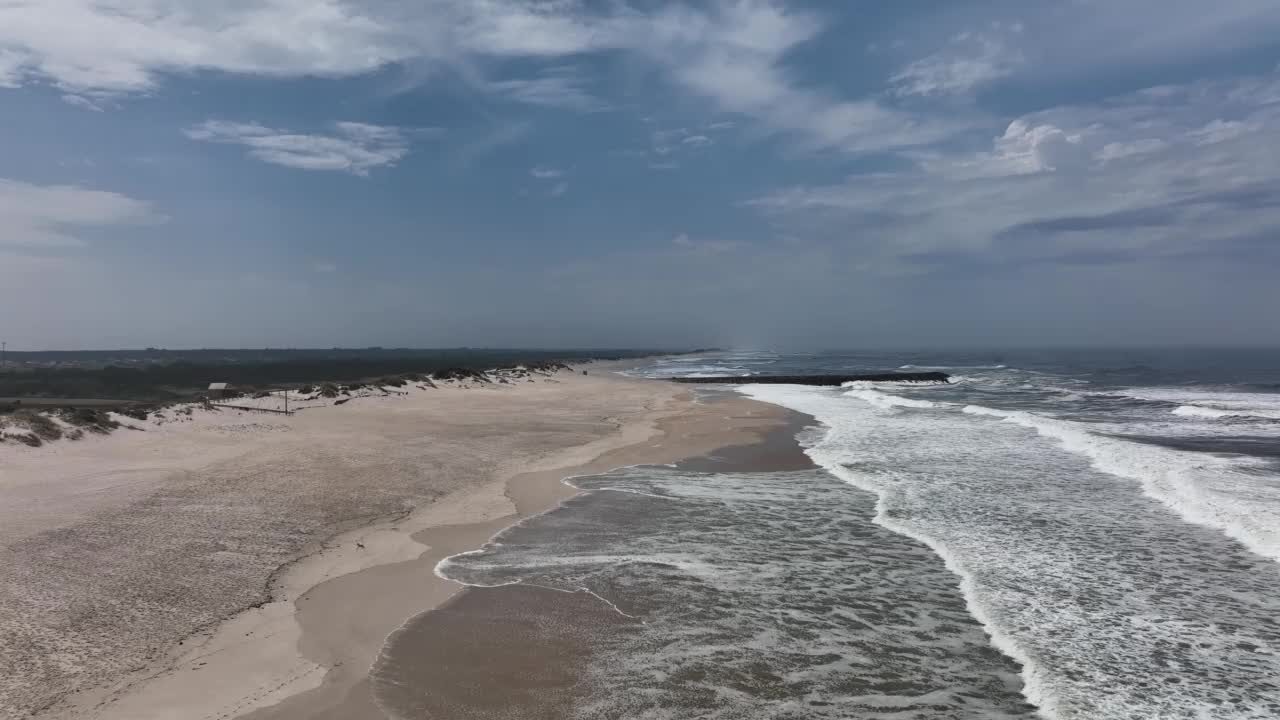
218, 356
184, 379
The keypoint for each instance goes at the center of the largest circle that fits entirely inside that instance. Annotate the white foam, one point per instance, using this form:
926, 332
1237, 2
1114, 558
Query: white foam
1241, 404
1081, 579
953, 367
1035, 689
885, 400
1209, 490
1197, 411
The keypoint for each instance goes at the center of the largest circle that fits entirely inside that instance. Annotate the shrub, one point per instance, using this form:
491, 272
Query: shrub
42, 427
93, 420
460, 374
134, 412
29, 439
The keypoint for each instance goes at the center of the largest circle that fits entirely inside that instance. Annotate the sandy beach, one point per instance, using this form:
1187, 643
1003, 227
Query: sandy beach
227, 564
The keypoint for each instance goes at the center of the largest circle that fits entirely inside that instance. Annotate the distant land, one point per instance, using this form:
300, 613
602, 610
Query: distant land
159, 375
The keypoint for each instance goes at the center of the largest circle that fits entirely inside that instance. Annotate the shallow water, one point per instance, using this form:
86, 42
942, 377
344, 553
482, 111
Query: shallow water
755, 595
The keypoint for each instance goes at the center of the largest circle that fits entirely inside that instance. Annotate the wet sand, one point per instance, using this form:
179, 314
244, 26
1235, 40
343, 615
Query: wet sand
384, 601
522, 651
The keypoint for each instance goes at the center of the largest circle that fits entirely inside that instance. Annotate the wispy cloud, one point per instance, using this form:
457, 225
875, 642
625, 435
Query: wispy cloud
553, 177
703, 247
969, 61
48, 215
83, 102
491, 140
356, 148
733, 56
564, 87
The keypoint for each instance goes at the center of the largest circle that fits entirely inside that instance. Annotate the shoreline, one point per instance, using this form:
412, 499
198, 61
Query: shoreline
348, 695
494, 650
301, 653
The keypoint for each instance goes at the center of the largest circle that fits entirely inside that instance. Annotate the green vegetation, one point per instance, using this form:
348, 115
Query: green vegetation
173, 376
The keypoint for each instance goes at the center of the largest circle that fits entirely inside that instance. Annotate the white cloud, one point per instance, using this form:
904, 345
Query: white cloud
697, 141
728, 53
543, 172
734, 56
968, 62
11, 68
1123, 180
1025, 148
356, 148
113, 46
559, 189
48, 215
122, 45
1042, 148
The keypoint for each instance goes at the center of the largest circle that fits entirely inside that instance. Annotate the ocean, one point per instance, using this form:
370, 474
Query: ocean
1057, 534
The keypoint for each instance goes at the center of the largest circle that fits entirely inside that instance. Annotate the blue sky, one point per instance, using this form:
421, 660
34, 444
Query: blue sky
612, 173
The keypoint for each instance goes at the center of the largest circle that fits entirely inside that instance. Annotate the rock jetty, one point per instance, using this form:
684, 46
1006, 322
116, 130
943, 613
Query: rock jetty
827, 380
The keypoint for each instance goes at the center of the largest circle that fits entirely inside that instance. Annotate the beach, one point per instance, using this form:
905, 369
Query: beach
227, 564
1047, 542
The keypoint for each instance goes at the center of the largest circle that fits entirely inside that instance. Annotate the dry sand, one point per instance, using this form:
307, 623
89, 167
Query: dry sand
229, 562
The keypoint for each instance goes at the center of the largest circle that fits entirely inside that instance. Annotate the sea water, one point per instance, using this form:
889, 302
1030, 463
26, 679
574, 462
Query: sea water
1087, 535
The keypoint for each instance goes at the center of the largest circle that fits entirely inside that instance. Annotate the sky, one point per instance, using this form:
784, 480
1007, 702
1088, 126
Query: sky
631, 173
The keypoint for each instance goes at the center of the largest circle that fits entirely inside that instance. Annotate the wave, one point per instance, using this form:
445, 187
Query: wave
954, 367
1214, 491
1081, 579
864, 390
1197, 411
1209, 403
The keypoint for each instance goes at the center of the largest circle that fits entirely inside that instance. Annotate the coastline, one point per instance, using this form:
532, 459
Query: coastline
306, 649
688, 430
517, 649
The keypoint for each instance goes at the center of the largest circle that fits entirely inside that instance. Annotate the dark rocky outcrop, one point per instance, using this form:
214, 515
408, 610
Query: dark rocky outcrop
826, 380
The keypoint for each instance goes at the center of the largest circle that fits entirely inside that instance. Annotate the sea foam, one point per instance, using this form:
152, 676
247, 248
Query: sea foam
1115, 607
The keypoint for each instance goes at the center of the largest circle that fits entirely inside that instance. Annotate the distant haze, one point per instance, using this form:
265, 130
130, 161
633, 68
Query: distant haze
750, 173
